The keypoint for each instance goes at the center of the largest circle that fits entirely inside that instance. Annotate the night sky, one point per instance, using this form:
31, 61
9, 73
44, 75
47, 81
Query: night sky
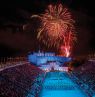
16, 13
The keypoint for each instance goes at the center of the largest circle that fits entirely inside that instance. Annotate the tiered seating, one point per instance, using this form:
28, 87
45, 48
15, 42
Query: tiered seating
85, 77
17, 81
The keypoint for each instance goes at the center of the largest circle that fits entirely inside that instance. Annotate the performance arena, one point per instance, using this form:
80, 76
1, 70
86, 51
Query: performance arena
46, 76
47, 48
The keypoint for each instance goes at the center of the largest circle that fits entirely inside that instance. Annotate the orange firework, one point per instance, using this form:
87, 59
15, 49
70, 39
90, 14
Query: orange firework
57, 28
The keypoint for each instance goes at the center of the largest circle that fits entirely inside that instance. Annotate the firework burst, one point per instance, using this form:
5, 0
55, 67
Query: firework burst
57, 28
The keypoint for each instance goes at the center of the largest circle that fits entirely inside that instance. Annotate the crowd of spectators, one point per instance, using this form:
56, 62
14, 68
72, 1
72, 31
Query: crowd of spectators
20, 80
84, 76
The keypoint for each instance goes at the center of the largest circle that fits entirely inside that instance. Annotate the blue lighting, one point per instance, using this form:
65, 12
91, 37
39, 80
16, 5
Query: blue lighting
58, 84
43, 58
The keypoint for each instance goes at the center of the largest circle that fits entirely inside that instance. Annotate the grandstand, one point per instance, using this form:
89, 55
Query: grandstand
18, 80
84, 76
23, 79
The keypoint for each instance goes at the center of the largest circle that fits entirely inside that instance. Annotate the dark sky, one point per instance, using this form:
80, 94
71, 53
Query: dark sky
15, 13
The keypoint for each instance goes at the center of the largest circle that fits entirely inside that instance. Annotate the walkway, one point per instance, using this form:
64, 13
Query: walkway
58, 84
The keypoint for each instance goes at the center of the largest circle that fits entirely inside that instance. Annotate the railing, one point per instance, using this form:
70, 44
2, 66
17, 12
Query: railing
12, 62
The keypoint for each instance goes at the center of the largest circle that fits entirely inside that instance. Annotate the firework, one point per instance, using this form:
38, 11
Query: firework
57, 28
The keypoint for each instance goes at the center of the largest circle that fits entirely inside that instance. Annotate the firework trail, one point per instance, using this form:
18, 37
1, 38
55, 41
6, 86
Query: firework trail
57, 28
